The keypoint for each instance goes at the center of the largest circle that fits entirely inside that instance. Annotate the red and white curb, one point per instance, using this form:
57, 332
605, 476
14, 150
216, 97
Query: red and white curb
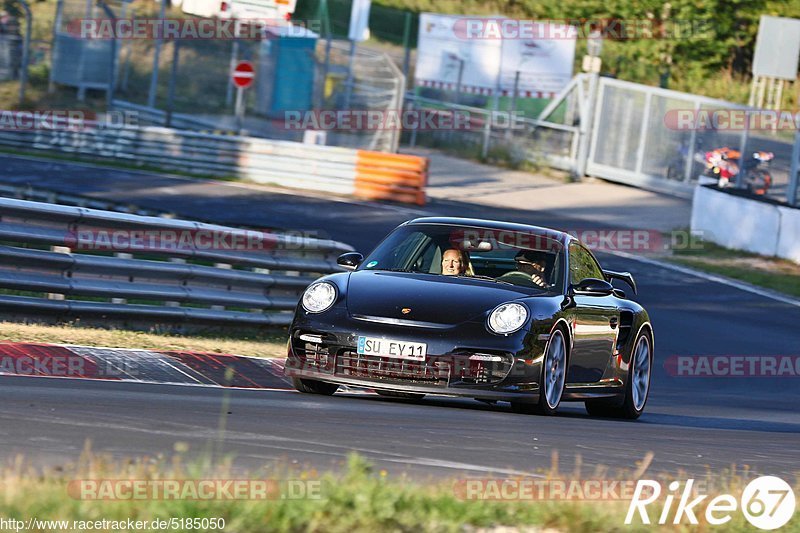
143, 366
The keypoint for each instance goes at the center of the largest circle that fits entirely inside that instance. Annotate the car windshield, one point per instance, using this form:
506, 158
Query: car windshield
519, 258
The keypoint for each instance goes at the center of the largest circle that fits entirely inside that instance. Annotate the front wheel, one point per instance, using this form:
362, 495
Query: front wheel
637, 387
311, 386
554, 373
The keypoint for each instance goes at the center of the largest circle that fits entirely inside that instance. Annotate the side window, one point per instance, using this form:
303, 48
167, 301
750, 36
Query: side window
582, 265
404, 254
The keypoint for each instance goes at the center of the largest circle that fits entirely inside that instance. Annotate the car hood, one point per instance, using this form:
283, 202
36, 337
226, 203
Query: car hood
431, 298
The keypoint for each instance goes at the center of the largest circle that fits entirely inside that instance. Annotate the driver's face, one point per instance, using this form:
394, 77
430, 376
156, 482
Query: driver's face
451, 263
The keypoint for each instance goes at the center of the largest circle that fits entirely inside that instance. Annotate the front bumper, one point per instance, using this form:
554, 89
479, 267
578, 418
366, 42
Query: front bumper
462, 360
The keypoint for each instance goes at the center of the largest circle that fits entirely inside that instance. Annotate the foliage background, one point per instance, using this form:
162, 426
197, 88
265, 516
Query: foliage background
715, 61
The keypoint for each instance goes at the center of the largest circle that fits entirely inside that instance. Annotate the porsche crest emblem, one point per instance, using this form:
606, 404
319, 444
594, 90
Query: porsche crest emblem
405, 310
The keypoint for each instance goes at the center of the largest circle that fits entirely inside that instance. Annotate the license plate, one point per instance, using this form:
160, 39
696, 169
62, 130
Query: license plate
391, 348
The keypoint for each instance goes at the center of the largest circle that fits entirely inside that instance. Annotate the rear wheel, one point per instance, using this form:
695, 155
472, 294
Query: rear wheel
311, 386
674, 172
554, 373
637, 387
759, 181
402, 395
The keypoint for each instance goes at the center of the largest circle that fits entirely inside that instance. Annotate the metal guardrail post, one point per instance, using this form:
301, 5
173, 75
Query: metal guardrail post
687, 173
586, 125
112, 75
412, 140
487, 135
151, 95
51, 86
176, 54
406, 43
23, 74
740, 184
794, 173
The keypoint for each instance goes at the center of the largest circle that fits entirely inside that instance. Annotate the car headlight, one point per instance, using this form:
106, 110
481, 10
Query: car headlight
508, 318
319, 297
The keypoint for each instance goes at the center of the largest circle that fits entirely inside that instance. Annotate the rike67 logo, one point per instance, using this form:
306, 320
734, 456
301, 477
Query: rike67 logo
767, 502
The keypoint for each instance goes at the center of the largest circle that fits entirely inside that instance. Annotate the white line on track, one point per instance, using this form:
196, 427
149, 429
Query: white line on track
737, 284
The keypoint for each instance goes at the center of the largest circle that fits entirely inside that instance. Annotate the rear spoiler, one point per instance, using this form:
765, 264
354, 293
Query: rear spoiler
622, 276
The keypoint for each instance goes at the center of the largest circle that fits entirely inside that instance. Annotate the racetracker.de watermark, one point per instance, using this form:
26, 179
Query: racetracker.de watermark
214, 29
66, 366
409, 119
194, 489
731, 120
64, 119
167, 240
531, 489
500, 28
733, 366
614, 239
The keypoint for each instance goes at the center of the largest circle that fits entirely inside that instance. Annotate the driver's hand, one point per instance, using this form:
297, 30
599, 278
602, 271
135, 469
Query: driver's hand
537, 279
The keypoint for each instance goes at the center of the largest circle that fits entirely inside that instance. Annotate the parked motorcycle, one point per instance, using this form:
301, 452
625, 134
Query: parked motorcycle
725, 164
676, 166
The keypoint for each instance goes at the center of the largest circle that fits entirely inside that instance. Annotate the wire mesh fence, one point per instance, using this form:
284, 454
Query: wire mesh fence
360, 80
668, 140
497, 135
10, 56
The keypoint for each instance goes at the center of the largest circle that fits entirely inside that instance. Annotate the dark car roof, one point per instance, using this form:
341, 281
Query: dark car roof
559, 236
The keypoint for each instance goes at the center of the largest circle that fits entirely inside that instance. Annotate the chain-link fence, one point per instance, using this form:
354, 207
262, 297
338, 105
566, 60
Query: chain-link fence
663, 139
10, 54
78, 61
360, 80
495, 135
295, 71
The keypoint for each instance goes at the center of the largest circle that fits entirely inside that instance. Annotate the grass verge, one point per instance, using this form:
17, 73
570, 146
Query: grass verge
262, 344
356, 498
769, 272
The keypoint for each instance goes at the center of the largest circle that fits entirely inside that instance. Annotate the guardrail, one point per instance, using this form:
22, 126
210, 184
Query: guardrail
156, 116
78, 262
285, 163
26, 192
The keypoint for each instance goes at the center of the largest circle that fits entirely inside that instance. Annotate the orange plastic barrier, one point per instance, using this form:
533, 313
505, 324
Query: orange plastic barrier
394, 177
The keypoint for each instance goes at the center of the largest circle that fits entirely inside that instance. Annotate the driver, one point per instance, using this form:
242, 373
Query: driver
530, 269
455, 262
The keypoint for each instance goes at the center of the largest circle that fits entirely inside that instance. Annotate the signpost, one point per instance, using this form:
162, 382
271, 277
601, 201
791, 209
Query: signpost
242, 77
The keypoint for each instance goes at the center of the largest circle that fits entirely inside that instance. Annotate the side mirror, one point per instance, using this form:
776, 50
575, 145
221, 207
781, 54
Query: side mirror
593, 287
350, 260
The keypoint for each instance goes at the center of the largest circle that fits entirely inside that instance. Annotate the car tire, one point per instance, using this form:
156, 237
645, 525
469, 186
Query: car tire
637, 386
400, 395
311, 386
553, 378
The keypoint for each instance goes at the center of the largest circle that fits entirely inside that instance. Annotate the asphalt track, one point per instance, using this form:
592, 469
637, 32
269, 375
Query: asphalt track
691, 424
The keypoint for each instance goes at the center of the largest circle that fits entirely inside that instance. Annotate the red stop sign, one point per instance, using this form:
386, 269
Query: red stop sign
243, 74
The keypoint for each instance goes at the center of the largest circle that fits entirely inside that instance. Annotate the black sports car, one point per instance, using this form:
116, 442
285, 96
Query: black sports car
487, 310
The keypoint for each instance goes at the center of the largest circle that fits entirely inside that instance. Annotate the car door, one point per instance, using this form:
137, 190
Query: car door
595, 321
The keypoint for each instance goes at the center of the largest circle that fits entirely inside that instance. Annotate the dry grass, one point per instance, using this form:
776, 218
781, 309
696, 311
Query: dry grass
356, 497
271, 344
770, 272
